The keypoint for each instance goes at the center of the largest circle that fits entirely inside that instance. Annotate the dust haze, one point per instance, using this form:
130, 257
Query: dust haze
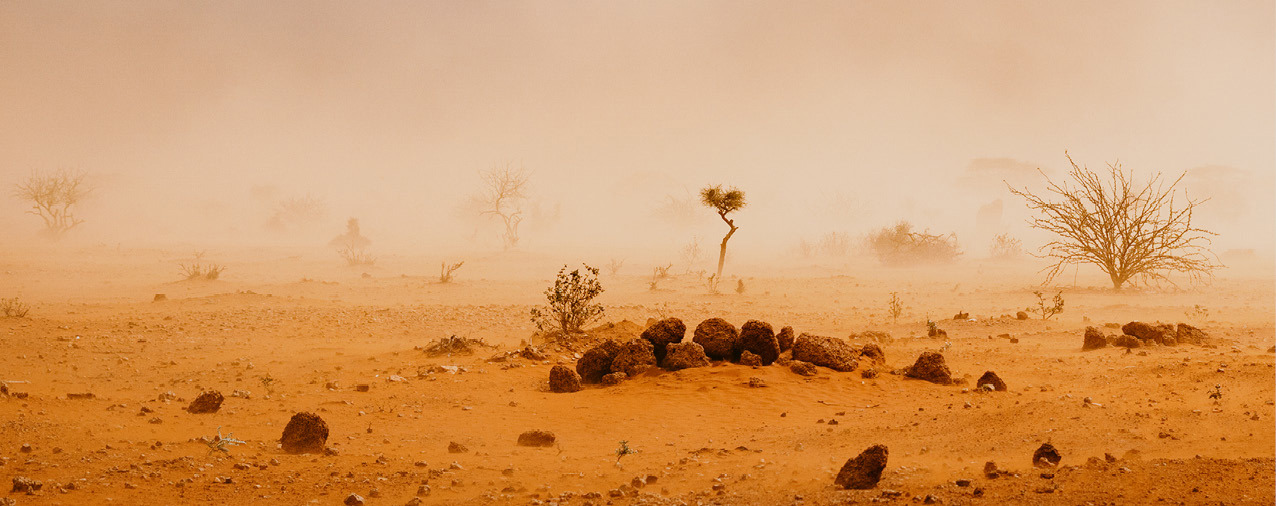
247, 136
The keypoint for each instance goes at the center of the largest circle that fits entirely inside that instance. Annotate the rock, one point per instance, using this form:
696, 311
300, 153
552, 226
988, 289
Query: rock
532, 353
663, 333
1125, 341
991, 471
305, 433
873, 336
869, 373
539, 438
634, 357
748, 358
863, 471
936, 333
159, 297
563, 379
802, 368
1094, 339
873, 353
415, 501
756, 382
455, 447
785, 339
1046, 456
758, 338
828, 352
720, 339
24, 485
930, 366
614, 378
991, 378
1021, 316
596, 362
354, 500
1190, 335
684, 356
961, 315
1146, 332
207, 402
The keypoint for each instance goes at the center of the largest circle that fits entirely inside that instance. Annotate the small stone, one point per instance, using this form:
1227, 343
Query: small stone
354, 500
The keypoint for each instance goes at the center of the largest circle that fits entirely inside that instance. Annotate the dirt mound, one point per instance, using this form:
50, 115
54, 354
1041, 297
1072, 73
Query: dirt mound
634, 357
663, 333
1094, 339
207, 402
1191, 335
684, 356
873, 353
757, 337
720, 339
454, 346
305, 433
621, 331
785, 338
596, 362
538, 438
1046, 456
930, 366
563, 379
863, 471
825, 351
991, 378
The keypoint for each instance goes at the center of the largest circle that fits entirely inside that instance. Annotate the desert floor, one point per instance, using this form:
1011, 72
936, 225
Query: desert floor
279, 328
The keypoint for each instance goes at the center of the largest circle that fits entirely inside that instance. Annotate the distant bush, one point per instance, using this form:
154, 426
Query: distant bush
1006, 247
899, 245
297, 212
446, 270
570, 301
205, 271
352, 245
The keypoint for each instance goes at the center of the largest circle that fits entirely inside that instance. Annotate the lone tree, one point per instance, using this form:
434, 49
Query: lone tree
53, 198
1132, 232
724, 202
506, 189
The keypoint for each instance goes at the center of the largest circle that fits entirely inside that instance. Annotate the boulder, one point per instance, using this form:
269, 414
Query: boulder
1149, 333
802, 368
785, 339
930, 366
873, 353
828, 352
305, 433
1125, 341
1094, 339
1021, 316
614, 379
684, 356
1046, 456
720, 339
748, 358
1188, 334
596, 362
207, 402
663, 333
863, 471
563, 379
991, 378
634, 357
758, 338
539, 438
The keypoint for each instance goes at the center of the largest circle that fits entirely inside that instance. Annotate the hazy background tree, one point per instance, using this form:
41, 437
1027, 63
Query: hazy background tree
724, 201
1128, 230
505, 190
352, 245
54, 197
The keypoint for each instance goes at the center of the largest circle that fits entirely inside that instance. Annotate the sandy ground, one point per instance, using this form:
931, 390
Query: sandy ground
278, 330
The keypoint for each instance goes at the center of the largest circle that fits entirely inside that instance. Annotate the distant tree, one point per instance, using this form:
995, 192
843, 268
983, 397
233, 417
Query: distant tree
1130, 231
352, 245
503, 196
54, 197
724, 201
1005, 247
901, 246
298, 211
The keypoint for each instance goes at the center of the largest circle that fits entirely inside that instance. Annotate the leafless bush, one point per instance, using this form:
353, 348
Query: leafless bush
196, 270
296, 212
1047, 309
1005, 247
1132, 232
352, 245
691, 253
54, 197
901, 246
14, 308
446, 270
613, 267
835, 244
895, 307
503, 196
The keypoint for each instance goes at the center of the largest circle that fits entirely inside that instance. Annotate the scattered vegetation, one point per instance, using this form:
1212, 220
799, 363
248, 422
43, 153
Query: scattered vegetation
614, 266
1198, 313
1047, 309
1131, 231
895, 307
1005, 247
352, 245
14, 308
445, 271
739, 286
1216, 393
623, 450
899, 245
724, 201
297, 212
221, 443
54, 197
196, 270
454, 345
503, 196
691, 253
570, 302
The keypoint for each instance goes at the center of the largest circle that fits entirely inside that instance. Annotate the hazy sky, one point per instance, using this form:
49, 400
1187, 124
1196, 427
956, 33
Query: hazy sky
839, 116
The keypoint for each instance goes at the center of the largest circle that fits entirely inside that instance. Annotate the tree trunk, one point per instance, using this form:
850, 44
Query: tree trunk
722, 253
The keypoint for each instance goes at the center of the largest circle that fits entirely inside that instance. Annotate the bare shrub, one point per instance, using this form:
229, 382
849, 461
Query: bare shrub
895, 307
614, 266
445, 271
835, 244
14, 308
724, 201
1047, 309
901, 246
505, 190
54, 197
691, 254
1133, 232
352, 245
297, 212
1005, 247
196, 270
570, 302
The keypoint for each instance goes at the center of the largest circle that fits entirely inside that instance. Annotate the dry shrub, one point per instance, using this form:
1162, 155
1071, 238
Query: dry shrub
445, 271
13, 308
901, 246
1005, 247
197, 270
